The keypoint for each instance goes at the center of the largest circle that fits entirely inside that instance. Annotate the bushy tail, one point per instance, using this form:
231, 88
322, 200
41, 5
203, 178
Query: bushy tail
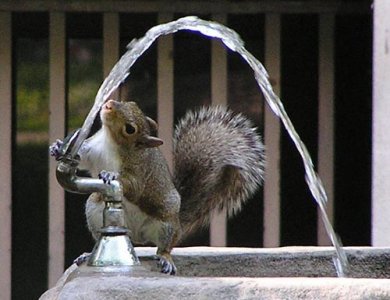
219, 162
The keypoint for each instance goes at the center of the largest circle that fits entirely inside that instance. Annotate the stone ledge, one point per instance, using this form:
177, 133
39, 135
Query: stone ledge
232, 273
121, 287
365, 262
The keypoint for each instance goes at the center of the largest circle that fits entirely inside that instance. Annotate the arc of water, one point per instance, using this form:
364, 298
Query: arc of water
232, 41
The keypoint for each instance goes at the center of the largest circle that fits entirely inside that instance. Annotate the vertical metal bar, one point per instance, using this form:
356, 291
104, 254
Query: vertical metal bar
6, 156
380, 134
271, 235
110, 41
218, 97
56, 130
165, 90
326, 117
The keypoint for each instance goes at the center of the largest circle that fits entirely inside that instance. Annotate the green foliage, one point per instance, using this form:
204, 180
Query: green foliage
32, 95
32, 109
32, 83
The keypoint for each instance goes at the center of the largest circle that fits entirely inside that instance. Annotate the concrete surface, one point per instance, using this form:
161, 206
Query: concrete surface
235, 273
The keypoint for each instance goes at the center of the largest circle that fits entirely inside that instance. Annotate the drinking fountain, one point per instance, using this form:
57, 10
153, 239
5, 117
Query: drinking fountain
113, 248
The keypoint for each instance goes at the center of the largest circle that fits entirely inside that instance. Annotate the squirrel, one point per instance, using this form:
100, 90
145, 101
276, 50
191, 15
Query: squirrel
218, 159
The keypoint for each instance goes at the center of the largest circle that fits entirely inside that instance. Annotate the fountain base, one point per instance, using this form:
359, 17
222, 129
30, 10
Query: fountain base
236, 273
113, 250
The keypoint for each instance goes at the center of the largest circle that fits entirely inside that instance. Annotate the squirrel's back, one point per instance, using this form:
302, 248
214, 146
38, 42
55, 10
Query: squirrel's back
219, 162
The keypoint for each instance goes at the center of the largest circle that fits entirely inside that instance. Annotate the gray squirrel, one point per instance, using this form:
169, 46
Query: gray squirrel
218, 163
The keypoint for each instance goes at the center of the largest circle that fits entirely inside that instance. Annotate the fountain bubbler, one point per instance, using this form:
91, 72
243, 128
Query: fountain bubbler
113, 247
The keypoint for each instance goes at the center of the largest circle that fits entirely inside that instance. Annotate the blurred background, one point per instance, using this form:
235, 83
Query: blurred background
297, 83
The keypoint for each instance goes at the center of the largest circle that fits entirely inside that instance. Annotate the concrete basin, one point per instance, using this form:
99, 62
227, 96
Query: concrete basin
235, 273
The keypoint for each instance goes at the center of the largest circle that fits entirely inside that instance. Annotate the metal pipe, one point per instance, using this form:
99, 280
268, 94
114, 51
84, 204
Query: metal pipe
66, 176
114, 247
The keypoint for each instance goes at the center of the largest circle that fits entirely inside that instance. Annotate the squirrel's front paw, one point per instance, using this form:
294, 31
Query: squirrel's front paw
167, 266
55, 149
107, 177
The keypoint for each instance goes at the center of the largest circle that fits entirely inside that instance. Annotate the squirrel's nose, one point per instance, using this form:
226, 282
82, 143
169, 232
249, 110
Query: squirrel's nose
109, 104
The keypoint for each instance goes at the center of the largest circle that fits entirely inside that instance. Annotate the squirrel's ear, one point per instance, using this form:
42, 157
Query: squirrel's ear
150, 141
152, 124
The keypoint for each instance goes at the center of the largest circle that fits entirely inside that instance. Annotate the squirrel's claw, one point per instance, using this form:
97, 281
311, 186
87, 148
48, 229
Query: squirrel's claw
167, 266
82, 258
107, 177
55, 149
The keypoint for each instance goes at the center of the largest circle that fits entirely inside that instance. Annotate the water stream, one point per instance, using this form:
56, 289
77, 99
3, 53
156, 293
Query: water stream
232, 41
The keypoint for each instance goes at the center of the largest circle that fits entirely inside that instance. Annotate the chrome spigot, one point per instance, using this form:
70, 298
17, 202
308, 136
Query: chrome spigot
113, 247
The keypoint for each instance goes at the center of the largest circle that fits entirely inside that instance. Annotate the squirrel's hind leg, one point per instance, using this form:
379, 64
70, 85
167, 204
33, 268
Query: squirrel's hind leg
165, 262
82, 258
169, 235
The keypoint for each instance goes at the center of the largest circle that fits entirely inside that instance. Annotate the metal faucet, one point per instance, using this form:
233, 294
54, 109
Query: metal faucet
113, 247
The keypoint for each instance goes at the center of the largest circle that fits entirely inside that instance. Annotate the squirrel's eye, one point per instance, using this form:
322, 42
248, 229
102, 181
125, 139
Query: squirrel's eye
129, 128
